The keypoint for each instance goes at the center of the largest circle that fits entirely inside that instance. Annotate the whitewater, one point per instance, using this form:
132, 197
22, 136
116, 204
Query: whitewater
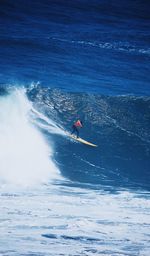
25, 156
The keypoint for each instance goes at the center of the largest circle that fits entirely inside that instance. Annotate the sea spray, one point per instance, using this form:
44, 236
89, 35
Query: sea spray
25, 157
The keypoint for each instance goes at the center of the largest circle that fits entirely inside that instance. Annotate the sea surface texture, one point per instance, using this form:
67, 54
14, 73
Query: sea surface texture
62, 61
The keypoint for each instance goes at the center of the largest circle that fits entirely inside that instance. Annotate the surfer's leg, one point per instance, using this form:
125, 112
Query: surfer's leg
77, 131
73, 129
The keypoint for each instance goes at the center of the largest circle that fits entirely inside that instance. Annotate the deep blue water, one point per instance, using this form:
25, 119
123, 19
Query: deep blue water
60, 61
94, 46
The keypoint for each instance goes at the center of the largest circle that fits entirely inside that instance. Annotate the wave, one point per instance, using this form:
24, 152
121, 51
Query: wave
37, 42
119, 125
117, 46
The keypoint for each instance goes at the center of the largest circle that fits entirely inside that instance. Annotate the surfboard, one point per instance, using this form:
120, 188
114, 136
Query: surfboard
82, 140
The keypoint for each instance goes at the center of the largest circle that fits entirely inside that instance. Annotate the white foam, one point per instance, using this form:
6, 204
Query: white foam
25, 157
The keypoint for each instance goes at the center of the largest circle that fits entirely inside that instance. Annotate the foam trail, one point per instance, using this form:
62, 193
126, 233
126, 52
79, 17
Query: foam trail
48, 124
25, 157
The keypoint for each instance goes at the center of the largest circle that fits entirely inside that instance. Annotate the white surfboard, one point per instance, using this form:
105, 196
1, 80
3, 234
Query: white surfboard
82, 140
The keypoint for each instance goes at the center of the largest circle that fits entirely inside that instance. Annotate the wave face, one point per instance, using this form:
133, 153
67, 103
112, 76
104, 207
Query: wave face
118, 125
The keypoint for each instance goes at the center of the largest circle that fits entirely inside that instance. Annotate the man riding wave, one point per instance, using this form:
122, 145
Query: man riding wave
76, 126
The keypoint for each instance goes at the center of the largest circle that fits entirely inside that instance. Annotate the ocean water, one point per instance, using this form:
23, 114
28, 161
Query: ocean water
62, 60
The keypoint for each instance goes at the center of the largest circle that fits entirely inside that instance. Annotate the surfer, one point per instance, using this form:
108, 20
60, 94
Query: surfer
76, 126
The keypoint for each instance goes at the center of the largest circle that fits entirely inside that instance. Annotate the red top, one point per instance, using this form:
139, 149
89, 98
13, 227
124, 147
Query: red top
78, 123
